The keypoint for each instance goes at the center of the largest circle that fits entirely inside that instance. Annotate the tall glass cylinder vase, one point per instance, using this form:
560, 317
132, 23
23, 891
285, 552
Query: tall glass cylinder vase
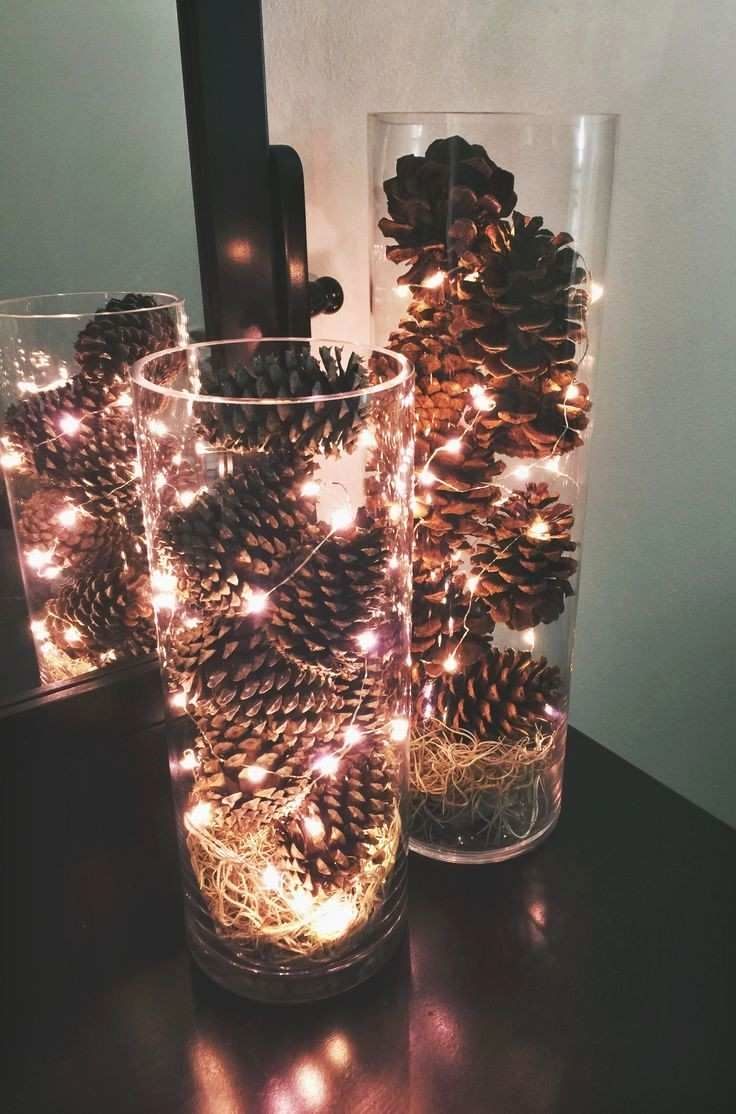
488, 256
279, 536
69, 458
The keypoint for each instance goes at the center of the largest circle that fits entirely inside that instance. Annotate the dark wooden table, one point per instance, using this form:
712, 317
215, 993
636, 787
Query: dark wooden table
591, 976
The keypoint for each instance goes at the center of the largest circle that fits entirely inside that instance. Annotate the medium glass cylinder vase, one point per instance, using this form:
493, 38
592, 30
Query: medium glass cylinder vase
488, 255
69, 459
279, 535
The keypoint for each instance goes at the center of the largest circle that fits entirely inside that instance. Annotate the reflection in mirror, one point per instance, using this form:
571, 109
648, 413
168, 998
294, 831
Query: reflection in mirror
74, 584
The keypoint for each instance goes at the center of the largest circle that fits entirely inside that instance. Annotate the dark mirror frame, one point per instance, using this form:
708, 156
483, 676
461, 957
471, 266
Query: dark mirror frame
251, 237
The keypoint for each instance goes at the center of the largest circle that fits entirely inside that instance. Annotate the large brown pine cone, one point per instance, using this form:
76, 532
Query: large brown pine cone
317, 427
504, 693
523, 564
243, 534
244, 693
320, 614
341, 820
520, 302
48, 521
121, 332
535, 420
97, 458
440, 202
455, 490
102, 612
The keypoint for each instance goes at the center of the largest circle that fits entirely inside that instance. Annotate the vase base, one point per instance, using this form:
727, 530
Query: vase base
488, 855
289, 987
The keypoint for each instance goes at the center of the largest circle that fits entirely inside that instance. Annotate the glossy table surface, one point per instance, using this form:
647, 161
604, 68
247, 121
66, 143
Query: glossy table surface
591, 976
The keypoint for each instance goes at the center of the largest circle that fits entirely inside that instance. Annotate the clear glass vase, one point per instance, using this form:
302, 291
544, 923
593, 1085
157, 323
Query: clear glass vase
69, 458
488, 255
279, 536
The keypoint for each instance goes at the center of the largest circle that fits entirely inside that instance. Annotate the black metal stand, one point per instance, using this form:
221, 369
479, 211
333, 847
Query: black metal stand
248, 196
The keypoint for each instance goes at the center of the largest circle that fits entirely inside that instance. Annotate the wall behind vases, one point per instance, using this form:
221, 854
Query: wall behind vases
655, 678
95, 192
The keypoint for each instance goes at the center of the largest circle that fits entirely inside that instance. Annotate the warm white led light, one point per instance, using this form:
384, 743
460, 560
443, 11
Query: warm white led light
69, 424
201, 447
301, 902
550, 711
472, 583
164, 601
310, 489
539, 529
398, 729
67, 517
393, 562
596, 291
256, 775
201, 815
37, 558
270, 877
552, 465
367, 640
191, 622
435, 280
523, 472
72, 636
163, 581
367, 439
328, 765
176, 459
480, 398
451, 664
186, 498
427, 478
159, 481
352, 735
314, 827
11, 460
342, 518
157, 427
402, 291
572, 392
178, 700
38, 629
454, 445
256, 603
51, 572
394, 512
332, 918
125, 400
528, 638
189, 761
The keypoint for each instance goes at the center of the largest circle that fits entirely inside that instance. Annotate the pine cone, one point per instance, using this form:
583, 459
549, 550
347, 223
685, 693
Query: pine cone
505, 693
455, 491
320, 427
440, 203
337, 827
79, 541
244, 693
522, 564
102, 612
537, 420
519, 302
109, 345
318, 616
241, 535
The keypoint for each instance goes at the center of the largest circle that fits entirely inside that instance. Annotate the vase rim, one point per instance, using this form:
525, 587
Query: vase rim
560, 117
405, 373
30, 306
